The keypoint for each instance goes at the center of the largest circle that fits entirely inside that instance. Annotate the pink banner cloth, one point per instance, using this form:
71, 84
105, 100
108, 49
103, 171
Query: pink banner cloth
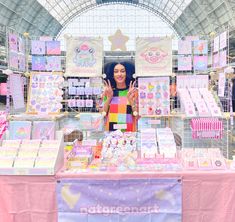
28, 199
207, 195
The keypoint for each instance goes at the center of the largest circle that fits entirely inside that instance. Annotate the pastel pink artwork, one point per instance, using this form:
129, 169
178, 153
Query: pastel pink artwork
154, 55
13, 60
223, 58
200, 47
53, 48
216, 60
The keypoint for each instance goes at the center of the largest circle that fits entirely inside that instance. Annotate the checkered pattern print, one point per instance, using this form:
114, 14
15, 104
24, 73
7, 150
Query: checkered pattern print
120, 112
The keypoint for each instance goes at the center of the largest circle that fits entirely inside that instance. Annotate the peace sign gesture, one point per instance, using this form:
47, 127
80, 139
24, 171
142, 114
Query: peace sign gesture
108, 91
131, 93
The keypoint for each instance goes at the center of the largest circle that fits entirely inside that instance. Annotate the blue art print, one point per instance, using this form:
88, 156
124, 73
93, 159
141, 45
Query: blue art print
53, 63
38, 63
84, 56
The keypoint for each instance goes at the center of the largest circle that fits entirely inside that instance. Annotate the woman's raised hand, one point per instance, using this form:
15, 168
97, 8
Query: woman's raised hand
108, 91
131, 95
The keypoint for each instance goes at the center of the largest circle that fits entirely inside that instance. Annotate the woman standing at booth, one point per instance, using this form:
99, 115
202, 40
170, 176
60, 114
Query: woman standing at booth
120, 99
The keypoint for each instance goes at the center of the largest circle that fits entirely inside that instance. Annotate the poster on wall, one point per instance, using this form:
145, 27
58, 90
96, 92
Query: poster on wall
184, 62
53, 48
153, 56
126, 200
84, 56
45, 93
38, 63
154, 96
184, 47
200, 47
53, 63
200, 63
216, 61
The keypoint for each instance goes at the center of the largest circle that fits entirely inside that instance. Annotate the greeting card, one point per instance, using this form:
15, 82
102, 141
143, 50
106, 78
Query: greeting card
44, 130
20, 130
38, 47
53, 47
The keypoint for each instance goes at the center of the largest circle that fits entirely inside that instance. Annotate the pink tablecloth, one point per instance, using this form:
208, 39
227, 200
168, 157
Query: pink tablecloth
207, 196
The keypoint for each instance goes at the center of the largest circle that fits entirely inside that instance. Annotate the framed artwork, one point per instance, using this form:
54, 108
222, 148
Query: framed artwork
38, 47
53, 48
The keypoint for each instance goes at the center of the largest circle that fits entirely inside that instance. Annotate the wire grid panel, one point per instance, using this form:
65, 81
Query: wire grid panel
80, 95
182, 128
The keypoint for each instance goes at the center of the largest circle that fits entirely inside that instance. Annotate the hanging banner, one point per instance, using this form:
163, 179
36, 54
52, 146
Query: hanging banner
223, 40
200, 47
119, 200
153, 56
200, 63
84, 57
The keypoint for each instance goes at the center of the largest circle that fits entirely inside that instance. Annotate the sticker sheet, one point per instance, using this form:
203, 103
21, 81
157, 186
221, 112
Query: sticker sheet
154, 96
45, 93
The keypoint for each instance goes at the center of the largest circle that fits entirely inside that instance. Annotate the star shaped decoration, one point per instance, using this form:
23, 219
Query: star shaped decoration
118, 41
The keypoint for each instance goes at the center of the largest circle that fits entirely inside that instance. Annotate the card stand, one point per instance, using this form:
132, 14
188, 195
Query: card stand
59, 162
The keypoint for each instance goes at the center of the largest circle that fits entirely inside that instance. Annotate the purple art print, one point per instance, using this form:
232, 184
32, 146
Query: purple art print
21, 43
184, 63
13, 60
53, 63
120, 200
184, 47
53, 48
38, 47
12, 40
200, 63
22, 61
200, 47
223, 58
38, 63
216, 60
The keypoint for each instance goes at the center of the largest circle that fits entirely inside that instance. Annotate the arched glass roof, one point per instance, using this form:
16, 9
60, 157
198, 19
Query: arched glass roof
64, 10
105, 20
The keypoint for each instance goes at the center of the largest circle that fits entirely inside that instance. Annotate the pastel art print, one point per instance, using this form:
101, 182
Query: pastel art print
200, 63
200, 47
53, 63
38, 63
53, 48
154, 96
38, 47
184, 63
12, 41
13, 60
184, 47
45, 93
153, 56
84, 57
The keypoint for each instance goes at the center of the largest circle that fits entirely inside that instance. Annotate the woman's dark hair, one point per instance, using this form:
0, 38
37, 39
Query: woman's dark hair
109, 71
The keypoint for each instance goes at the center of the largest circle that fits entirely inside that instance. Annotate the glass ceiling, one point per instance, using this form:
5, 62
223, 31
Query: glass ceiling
104, 21
64, 10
